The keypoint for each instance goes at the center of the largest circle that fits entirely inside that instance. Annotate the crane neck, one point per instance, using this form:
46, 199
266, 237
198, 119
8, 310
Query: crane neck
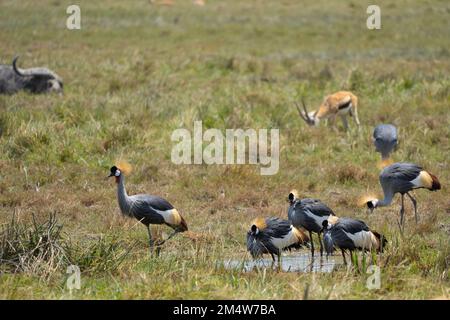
386, 201
122, 196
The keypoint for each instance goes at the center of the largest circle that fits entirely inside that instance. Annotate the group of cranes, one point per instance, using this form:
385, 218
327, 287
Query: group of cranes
314, 216
273, 235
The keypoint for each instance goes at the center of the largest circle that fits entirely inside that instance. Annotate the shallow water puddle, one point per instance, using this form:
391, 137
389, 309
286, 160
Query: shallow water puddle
291, 263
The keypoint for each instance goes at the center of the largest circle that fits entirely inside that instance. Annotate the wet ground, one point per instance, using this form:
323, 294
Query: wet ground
289, 263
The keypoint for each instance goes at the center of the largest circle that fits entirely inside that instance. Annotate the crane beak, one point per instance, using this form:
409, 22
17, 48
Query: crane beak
110, 175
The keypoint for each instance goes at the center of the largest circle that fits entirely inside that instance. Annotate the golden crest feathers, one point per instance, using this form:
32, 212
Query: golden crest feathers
124, 166
260, 223
364, 199
295, 193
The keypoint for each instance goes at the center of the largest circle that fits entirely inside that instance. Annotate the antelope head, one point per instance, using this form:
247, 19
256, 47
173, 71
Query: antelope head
309, 117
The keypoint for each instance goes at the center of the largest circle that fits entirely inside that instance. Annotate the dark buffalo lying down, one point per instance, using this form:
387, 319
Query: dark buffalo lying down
34, 80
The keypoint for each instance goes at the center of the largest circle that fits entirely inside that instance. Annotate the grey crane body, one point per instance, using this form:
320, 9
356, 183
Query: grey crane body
309, 214
148, 209
351, 234
33, 80
402, 178
385, 139
272, 236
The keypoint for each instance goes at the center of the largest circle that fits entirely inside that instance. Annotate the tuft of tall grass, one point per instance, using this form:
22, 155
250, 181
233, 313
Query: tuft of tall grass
41, 249
37, 248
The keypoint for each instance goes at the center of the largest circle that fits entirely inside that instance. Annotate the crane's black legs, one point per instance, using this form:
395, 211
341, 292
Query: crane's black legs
151, 242
312, 244
279, 259
321, 245
273, 257
343, 256
402, 212
170, 236
416, 215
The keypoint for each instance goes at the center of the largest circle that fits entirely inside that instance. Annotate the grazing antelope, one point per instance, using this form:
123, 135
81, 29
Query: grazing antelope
272, 235
351, 234
309, 214
403, 178
341, 103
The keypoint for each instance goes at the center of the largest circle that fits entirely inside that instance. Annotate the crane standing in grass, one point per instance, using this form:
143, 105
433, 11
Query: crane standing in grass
309, 214
272, 235
351, 234
147, 209
402, 178
385, 140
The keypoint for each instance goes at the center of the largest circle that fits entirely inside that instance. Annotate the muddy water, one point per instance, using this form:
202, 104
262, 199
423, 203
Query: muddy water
289, 263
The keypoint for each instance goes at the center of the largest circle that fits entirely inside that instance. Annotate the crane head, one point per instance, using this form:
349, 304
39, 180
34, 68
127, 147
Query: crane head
293, 196
115, 172
372, 204
325, 225
254, 230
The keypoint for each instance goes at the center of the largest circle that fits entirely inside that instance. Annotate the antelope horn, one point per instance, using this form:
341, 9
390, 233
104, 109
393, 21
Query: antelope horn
306, 111
300, 112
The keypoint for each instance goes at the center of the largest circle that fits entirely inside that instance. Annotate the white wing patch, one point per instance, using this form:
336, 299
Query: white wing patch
286, 241
317, 219
363, 239
170, 216
423, 180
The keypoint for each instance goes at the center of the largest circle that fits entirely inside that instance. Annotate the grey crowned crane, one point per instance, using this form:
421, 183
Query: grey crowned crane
292, 199
147, 209
309, 214
351, 234
385, 140
272, 235
402, 178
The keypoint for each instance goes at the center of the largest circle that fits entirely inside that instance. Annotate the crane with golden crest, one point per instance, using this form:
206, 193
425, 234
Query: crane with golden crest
273, 235
402, 178
148, 209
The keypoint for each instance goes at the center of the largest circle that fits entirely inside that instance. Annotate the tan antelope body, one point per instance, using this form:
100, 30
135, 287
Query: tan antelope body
341, 103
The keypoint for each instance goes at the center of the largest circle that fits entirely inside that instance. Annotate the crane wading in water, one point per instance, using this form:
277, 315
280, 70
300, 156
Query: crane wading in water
147, 209
351, 234
273, 235
309, 214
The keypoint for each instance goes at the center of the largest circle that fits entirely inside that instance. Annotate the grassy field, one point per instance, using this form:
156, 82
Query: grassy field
136, 71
